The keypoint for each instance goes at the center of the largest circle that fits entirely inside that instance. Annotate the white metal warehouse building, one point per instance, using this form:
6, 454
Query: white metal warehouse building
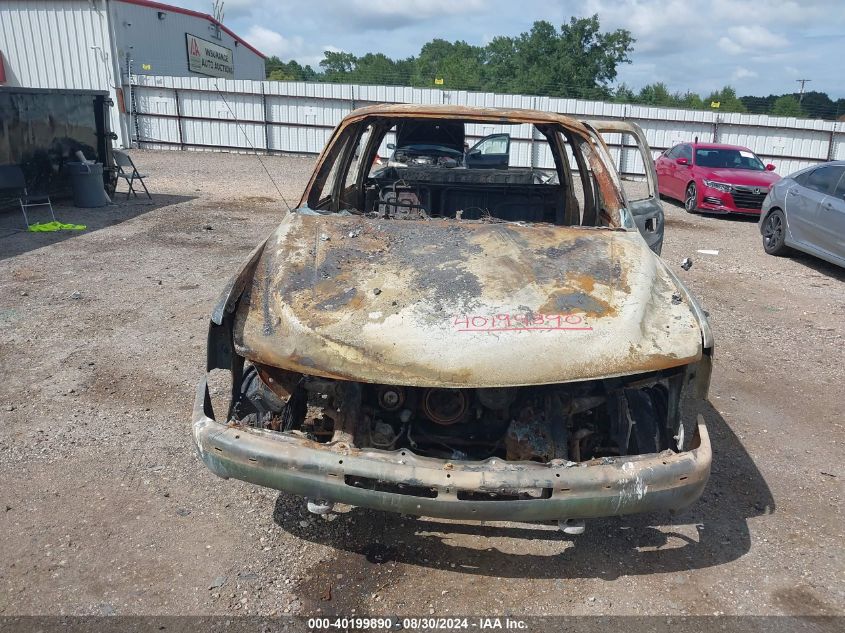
95, 44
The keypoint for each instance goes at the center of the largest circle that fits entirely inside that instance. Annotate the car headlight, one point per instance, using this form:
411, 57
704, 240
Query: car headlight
721, 186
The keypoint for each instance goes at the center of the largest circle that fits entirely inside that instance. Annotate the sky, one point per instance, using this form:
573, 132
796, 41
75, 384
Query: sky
758, 46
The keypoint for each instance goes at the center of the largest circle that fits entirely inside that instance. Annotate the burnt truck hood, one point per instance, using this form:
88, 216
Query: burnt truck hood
461, 304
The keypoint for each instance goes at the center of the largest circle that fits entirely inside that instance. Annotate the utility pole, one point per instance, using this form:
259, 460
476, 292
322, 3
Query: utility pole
801, 94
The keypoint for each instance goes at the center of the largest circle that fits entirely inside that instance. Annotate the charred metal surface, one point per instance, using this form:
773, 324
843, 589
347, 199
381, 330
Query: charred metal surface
447, 303
530, 438
347, 402
606, 487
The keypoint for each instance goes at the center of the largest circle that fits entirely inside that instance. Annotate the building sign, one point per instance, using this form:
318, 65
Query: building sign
208, 58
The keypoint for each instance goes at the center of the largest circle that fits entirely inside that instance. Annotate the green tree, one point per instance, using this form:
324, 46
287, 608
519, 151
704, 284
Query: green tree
818, 105
501, 66
592, 57
727, 100
377, 68
578, 60
337, 65
657, 94
787, 105
691, 100
623, 94
277, 70
458, 64
758, 105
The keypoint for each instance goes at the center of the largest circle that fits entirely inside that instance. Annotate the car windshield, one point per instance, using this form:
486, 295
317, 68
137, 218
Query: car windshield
728, 159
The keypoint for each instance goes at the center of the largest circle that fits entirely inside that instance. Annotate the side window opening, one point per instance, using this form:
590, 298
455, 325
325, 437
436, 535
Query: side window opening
320, 194
631, 168
350, 189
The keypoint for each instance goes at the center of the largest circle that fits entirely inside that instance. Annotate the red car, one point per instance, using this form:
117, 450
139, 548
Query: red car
714, 178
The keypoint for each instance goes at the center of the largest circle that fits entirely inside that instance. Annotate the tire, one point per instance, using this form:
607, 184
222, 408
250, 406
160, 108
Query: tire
691, 198
774, 233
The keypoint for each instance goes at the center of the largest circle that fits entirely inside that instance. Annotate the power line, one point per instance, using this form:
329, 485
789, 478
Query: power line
249, 141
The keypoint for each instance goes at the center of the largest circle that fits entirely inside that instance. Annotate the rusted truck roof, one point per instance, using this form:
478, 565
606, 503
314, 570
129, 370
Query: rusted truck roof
501, 115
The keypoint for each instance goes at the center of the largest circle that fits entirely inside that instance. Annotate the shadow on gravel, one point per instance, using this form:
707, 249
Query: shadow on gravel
15, 239
730, 217
819, 265
608, 549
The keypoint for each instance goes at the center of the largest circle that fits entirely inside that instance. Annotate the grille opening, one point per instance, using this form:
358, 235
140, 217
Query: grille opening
379, 485
748, 199
514, 495
471, 424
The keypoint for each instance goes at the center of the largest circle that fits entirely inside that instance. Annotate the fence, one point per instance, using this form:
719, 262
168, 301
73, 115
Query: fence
298, 117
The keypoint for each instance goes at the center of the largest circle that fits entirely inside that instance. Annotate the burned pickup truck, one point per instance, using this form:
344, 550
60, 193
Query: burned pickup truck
463, 342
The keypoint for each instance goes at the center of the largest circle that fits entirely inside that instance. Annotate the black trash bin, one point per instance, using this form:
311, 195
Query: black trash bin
87, 182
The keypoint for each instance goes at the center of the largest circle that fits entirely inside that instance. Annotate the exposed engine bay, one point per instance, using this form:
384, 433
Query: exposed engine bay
573, 421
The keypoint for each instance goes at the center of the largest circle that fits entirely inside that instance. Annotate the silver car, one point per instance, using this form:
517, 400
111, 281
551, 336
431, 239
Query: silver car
806, 212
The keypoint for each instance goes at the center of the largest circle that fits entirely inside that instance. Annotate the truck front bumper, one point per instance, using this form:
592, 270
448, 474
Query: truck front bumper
400, 481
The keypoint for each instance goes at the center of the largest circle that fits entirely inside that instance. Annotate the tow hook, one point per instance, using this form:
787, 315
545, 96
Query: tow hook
319, 506
571, 526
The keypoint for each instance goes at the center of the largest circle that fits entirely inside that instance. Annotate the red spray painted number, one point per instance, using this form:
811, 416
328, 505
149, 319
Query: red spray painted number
519, 322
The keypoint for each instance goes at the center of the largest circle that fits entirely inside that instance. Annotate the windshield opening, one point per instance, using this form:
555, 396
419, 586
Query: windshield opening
721, 158
410, 168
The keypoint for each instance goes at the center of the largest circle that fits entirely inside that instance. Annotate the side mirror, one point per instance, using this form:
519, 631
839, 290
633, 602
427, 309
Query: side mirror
682, 161
475, 153
391, 146
770, 167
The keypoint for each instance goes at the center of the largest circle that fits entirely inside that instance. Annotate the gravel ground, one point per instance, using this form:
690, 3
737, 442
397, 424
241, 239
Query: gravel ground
108, 510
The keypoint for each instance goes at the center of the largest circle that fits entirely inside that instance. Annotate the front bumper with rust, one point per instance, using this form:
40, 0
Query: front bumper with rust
606, 487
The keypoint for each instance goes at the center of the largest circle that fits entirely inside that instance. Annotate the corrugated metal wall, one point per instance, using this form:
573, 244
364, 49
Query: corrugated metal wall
160, 44
56, 44
222, 115
59, 45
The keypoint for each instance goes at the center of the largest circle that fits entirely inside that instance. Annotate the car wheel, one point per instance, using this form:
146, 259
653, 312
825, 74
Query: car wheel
691, 198
774, 233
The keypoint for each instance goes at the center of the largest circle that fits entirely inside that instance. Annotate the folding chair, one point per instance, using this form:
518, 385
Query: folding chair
12, 181
126, 169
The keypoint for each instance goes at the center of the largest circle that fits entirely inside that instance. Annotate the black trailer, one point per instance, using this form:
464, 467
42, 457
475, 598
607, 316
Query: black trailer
42, 129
